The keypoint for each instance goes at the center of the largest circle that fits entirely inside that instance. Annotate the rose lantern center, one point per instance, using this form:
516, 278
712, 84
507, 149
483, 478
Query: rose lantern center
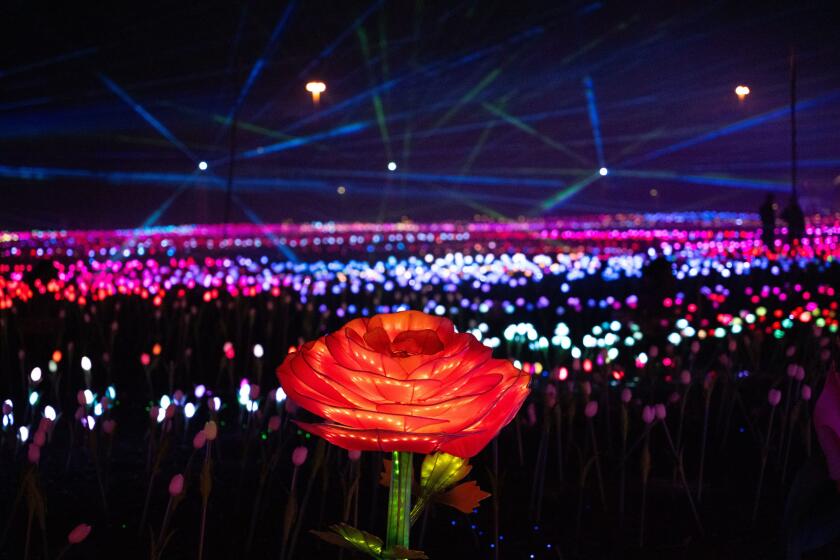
405, 344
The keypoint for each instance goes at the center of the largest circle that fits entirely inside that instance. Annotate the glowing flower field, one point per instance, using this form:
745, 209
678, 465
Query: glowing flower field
667, 368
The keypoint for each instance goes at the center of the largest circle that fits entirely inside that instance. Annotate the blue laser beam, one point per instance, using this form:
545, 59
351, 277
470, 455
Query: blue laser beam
48, 62
344, 130
704, 179
256, 220
424, 73
268, 52
738, 126
148, 117
594, 120
330, 48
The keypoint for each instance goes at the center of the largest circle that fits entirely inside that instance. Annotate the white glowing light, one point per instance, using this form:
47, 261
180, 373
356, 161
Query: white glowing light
86, 365
53, 366
88, 396
258, 351
97, 409
111, 392
742, 91
49, 413
35, 375
33, 398
199, 391
280, 395
392, 166
91, 423
217, 403
161, 415
603, 171
316, 89
189, 410
244, 393
202, 165
165, 401
23, 433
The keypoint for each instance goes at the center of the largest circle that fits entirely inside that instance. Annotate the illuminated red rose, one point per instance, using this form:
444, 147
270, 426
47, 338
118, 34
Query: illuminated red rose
404, 382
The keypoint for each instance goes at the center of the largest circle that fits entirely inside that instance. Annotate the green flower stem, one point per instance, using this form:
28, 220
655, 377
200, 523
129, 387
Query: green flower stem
399, 500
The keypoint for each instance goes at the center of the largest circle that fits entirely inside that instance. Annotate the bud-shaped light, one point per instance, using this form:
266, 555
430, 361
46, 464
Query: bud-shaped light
211, 430
176, 485
199, 440
299, 455
78, 534
660, 411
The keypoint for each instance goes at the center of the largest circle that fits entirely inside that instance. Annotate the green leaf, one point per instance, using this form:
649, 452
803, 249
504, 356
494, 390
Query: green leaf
440, 471
346, 536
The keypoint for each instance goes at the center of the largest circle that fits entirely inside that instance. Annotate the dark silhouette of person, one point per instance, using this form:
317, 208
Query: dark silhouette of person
767, 213
795, 218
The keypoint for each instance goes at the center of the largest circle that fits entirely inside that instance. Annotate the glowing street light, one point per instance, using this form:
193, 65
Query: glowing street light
316, 89
202, 166
603, 171
742, 92
392, 166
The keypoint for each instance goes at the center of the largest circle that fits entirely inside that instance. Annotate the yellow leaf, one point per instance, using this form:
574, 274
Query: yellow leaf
440, 471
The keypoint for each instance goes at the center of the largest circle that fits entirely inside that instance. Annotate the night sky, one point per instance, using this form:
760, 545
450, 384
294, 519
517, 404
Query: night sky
501, 109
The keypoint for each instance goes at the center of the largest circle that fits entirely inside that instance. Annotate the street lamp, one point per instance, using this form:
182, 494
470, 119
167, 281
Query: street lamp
316, 89
742, 92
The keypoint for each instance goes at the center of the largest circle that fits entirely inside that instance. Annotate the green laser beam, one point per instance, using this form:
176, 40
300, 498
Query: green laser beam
568, 192
530, 130
376, 98
488, 79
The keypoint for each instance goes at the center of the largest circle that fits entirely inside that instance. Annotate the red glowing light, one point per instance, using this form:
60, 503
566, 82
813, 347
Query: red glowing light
562, 373
455, 399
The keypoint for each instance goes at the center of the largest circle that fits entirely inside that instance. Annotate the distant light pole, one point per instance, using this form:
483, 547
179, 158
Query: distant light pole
316, 89
742, 92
